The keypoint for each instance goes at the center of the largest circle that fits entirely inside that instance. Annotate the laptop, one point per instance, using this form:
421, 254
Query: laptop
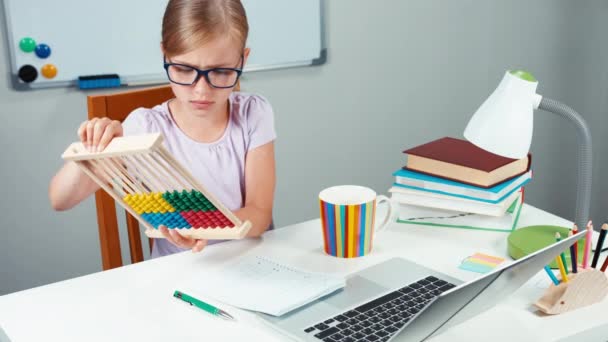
3, 336
399, 300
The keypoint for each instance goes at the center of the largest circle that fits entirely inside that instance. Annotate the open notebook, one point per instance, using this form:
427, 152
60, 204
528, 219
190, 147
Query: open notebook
260, 284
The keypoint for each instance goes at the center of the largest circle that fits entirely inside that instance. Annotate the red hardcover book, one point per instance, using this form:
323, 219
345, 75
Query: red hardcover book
461, 161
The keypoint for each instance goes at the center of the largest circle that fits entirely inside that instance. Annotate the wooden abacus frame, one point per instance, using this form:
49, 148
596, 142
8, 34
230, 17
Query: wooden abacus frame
141, 166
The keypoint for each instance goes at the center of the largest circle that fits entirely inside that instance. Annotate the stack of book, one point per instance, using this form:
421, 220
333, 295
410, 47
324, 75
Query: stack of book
452, 175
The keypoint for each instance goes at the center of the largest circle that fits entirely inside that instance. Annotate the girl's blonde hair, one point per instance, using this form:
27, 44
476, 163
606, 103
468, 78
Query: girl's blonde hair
188, 24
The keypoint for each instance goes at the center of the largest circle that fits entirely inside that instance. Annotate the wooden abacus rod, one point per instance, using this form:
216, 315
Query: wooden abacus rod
147, 180
125, 174
150, 181
171, 172
117, 175
157, 172
159, 184
161, 167
108, 178
175, 173
134, 173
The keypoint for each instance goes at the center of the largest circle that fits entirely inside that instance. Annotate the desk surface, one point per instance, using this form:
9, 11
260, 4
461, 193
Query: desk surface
135, 302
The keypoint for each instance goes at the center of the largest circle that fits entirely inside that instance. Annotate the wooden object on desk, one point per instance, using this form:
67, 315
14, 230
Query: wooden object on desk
142, 176
587, 287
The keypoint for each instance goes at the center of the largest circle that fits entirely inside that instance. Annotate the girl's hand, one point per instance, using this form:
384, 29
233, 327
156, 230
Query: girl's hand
181, 241
97, 133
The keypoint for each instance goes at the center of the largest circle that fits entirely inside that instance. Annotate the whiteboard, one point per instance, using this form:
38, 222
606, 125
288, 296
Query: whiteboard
92, 37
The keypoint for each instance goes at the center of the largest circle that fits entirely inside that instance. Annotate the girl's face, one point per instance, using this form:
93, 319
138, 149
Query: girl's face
201, 99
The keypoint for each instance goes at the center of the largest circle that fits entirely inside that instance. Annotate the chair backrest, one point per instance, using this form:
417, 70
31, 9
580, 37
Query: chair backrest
117, 107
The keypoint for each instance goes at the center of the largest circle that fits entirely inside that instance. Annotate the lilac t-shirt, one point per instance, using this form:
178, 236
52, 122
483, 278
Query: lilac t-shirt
218, 166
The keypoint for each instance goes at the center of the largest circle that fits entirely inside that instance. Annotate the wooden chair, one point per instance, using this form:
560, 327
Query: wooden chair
117, 107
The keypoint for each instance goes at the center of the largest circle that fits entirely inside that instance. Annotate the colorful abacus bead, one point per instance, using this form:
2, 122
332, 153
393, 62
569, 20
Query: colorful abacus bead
148, 203
178, 209
171, 220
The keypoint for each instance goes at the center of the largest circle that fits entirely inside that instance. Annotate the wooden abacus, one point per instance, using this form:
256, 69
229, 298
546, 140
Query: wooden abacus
144, 178
588, 286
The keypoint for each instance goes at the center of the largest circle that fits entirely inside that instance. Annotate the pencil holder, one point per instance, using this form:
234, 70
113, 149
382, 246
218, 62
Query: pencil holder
587, 287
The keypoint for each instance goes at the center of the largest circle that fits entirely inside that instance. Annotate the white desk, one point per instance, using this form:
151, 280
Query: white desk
135, 303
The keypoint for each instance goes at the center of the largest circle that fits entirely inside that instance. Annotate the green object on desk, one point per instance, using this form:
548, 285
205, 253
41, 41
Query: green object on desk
202, 305
527, 240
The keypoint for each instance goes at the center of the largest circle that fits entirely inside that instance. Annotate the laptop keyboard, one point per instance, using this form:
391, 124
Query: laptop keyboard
379, 319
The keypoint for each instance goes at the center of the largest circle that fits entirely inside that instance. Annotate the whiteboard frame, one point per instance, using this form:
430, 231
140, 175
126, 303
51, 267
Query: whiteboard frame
149, 79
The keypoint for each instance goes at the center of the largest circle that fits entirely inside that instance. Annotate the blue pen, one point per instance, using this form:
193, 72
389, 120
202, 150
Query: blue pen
551, 275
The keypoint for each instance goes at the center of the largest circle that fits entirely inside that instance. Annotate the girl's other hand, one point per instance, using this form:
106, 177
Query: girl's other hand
182, 241
97, 133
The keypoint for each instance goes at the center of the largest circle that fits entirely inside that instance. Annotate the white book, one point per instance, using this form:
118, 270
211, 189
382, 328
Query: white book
451, 219
260, 284
433, 200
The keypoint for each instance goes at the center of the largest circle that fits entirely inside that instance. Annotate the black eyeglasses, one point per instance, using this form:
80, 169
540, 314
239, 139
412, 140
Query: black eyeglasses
216, 77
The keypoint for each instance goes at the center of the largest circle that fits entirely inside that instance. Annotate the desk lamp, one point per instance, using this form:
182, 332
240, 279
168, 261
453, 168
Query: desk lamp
503, 126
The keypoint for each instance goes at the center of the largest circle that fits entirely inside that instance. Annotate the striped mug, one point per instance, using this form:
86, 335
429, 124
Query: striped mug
348, 215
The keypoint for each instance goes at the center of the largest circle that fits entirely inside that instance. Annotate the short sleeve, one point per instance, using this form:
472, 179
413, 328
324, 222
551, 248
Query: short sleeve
260, 122
138, 122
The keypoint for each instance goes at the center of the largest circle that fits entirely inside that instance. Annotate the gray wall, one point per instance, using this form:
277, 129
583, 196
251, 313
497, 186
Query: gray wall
399, 73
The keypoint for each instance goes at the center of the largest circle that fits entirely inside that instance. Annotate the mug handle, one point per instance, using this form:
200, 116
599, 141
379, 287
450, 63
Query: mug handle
389, 214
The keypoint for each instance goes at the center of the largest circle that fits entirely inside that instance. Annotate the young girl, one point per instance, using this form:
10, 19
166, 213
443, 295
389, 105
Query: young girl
224, 138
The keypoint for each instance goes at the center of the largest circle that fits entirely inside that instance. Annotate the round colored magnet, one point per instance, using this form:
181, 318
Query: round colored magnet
43, 51
28, 73
49, 70
27, 44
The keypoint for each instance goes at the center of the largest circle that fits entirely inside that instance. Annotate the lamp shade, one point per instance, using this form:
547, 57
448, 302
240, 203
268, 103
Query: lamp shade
503, 123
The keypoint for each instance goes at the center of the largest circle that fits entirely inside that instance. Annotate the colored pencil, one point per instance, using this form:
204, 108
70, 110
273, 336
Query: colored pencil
562, 269
588, 239
605, 264
573, 253
575, 256
600, 243
562, 255
551, 275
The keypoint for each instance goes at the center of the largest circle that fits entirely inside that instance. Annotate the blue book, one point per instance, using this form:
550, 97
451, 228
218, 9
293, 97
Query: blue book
420, 181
